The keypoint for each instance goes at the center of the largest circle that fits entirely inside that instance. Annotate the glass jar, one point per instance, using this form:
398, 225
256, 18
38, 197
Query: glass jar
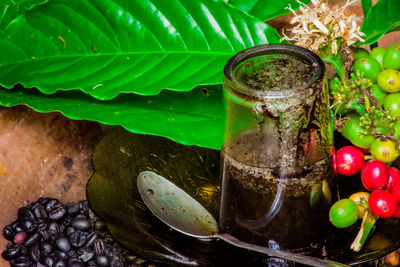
276, 161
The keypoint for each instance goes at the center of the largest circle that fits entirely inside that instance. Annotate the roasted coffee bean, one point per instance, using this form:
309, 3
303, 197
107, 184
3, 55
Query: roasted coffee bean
45, 235
46, 248
29, 225
53, 229
63, 244
52, 204
32, 239
91, 238
85, 254
15, 224
19, 238
70, 230
43, 200
35, 253
25, 214
21, 262
39, 211
73, 209
91, 264
12, 252
72, 254
99, 246
78, 238
8, 232
102, 260
49, 260
60, 263
61, 255
75, 262
80, 223
83, 206
116, 263
18, 229
42, 224
57, 213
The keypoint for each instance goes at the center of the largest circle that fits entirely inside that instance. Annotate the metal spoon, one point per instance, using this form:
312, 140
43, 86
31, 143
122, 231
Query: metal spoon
181, 212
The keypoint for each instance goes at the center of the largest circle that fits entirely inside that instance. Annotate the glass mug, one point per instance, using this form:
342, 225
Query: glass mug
276, 161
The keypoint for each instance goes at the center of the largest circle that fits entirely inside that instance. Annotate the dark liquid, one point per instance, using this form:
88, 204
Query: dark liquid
297, 220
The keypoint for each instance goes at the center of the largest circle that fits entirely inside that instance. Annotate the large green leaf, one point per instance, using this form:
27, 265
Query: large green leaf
382, 18
108, 47
10, 9
194, 118
266, 9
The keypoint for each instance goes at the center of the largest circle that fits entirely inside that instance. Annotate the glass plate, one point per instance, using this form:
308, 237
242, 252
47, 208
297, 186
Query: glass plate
112, 194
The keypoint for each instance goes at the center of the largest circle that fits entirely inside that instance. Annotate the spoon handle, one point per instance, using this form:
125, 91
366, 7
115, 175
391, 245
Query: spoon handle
312, 261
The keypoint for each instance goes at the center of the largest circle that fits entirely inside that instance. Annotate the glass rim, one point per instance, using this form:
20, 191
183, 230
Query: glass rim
267, 49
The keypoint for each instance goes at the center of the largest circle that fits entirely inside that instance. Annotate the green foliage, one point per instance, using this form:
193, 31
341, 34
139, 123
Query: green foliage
266, 9
382, 18
10, 9
195, 117
106, 47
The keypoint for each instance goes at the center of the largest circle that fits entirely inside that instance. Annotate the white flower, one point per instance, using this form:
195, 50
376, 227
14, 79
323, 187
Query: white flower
320, 26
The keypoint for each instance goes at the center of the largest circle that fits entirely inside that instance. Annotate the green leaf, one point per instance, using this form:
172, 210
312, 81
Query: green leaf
266, 9
10, 9
366, 6
382, 18
193, 118
105, 47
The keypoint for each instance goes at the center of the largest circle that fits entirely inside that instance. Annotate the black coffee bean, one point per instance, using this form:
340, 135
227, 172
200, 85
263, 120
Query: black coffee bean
32, 239
72, 254
29, 225
21, 262
57, 213
75, 262
91, 264
99, 246
53, 229
35, 253
60, 263
91, 238
41, 224
46, 248
15, 224
49, 260
61, 255
12, 252
85, 254
80, 223
73, 209
102, 260
8, 232
83, 206
63, 244
25, 214
78, 238
39, 211
18, 229
116, 263
43, 200
70, 230
51, 204
45, 235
